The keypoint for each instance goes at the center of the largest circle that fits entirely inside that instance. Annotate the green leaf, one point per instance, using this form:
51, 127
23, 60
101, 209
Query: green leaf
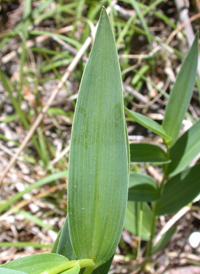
64, 245
10, 271
55, 244
73, 270
104, 268
34, 219
98, 168
132, 219
181, 94
186, 148
142, 188
179, 191
140, 15
147, 123
143, 153
164, 240
36, 264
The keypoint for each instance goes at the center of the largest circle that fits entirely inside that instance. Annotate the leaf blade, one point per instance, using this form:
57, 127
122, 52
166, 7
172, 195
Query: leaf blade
98, 169
147, 153
142, 188
36, 263
185, 149
179, 191
181, 93
148, 123
165, 238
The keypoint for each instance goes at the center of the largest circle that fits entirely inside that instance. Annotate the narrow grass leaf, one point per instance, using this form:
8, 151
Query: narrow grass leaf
9, 118
98, 165
179, 191
147, 123
164, 18
36, 264
186, 148
57, 64
71, 41
43, 146
6, 83
35, 185
181, 93
141, 17
165, 238
34, 219
142, 188
147, 153
132, 219
139, 74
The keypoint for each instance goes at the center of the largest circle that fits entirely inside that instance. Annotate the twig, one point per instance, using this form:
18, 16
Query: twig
63, 152
193, 18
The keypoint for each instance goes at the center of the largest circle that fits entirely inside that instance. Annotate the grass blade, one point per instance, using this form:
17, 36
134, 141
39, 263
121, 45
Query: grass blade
35, 185
141, 17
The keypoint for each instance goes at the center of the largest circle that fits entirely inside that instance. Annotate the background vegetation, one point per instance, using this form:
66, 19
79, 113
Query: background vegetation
44, 46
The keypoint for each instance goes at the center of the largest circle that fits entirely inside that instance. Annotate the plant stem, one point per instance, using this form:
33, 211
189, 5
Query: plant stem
89, 270
149, 244
165, 169
70, 264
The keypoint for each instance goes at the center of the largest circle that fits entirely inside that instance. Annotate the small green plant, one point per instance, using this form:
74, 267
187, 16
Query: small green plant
99, 168
180, 184
98, 171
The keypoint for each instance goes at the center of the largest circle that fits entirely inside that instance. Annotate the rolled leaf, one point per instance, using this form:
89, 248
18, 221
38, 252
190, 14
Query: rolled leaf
55, 244
179, 191
181, 94
147, 153
142, 188
186, 148
64, 245
98, 162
